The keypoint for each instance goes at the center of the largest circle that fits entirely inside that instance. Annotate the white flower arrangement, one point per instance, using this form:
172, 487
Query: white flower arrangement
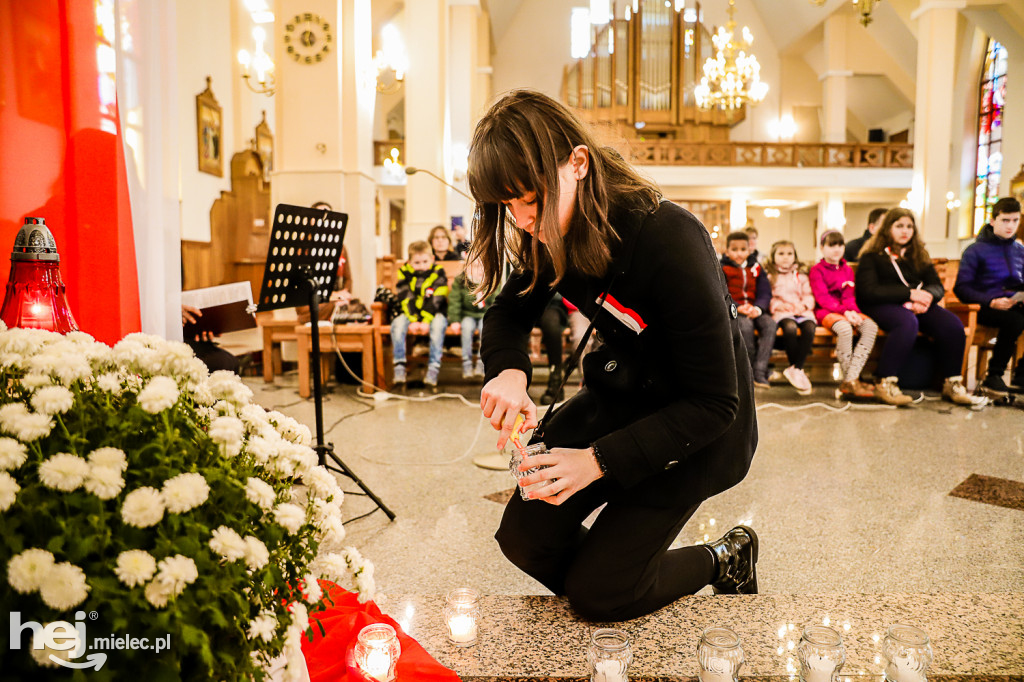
136, 485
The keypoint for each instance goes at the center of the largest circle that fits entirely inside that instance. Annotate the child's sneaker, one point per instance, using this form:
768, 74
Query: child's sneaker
431, 378
478, 370
995, 386
399, 374
887, 390
761, 381
792, 375
803, 383
467, 369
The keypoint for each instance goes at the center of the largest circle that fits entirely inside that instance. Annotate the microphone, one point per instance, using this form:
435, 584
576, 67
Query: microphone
412, 170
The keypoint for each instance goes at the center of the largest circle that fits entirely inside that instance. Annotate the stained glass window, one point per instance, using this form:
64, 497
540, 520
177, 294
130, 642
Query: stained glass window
990, 133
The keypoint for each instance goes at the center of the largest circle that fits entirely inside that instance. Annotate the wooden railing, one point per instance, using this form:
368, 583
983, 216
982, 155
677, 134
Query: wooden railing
792, 155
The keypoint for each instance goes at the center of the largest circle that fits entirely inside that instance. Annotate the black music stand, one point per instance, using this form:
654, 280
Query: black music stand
302, 266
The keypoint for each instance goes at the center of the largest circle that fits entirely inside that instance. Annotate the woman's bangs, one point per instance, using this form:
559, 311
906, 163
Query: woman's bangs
499, 172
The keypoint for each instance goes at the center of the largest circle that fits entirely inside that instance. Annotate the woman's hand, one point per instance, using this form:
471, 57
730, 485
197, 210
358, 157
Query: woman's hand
569, 470
504, 398
921, 296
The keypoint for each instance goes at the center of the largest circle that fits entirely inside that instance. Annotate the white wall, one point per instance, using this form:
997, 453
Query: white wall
535, 48
203, 50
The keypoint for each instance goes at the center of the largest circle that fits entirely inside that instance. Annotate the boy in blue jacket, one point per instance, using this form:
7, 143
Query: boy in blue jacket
992, 274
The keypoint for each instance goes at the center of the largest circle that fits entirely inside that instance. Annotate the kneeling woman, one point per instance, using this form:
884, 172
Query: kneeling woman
666, 418
897, 287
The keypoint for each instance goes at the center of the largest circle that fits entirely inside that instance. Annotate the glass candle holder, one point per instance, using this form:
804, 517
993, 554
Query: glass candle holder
719, 655
908, 653
377, 650
822, 654
517, 458
462, 616
609, 655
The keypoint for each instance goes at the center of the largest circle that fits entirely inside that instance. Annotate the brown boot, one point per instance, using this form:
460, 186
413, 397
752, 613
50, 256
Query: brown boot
856, 389
954, 391
888, 392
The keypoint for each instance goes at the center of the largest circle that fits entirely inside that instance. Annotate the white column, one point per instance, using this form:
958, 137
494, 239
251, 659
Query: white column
462, 76
323, 145
426, 86
1013, 125
933, 121
834, 80
737, 212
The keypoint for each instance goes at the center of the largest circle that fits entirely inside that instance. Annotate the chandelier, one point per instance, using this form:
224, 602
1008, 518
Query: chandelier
732, 77
864, 8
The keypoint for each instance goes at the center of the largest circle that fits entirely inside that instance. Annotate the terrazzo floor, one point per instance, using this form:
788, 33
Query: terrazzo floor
854, 501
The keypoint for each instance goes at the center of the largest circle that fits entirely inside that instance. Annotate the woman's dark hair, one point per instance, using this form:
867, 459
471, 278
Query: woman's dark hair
434, 232
517, 149
915, 252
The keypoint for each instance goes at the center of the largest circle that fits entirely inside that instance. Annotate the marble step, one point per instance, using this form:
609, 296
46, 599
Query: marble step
975, 637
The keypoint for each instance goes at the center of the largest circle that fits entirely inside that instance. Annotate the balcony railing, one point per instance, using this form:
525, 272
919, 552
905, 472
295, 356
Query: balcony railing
770, 154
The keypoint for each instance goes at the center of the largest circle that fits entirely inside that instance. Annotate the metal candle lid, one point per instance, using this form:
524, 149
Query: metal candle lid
35, 242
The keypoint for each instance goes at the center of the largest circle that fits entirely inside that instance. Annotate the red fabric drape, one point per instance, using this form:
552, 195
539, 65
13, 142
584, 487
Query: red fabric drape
329, 656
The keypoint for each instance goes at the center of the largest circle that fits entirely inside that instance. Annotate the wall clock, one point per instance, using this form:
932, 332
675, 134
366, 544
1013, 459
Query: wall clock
307, 38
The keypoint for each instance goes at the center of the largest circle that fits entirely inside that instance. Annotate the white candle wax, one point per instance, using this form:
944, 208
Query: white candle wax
820, 669
716, 674
463, 629
378, 664
608, 671
904, 670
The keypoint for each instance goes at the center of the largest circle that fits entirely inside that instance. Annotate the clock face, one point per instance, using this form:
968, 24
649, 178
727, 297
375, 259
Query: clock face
307, 38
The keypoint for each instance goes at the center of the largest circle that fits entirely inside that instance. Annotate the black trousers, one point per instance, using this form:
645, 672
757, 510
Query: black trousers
621, 567
797, 340
553, 321
1011, 324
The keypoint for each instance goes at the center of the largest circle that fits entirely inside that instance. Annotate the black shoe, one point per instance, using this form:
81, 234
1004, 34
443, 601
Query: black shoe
736, 560
1016, 384
994, 385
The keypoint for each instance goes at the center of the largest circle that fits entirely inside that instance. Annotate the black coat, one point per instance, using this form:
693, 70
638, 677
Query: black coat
877, 281
669, 397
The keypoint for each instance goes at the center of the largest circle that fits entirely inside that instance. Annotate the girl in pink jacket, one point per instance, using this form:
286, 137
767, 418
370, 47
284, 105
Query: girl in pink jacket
836, 309
792, 307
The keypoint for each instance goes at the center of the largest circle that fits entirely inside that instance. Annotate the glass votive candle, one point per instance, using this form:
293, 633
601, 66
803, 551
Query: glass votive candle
719, 655
609, 655
462, 616
517, 458
822, 654
908, 653
377, 650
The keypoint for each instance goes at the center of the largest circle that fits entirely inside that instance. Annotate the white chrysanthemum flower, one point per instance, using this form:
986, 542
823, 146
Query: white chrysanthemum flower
177, 572
135, 567
333, 530
203, 395
110, 382
64, 471
34, 380
13, 454
256, 554
158, 395
16, 420
11, 360
223, 408
227, 543
184, 492
64, 587
321, 482
227, 432
53, 400
104, 482
8, 491
158, 593
228, 386
254, 416
111, 458
143, 507
260, 448
26, 571
290, 517
260, 493
263, 626
299, 624
313, 591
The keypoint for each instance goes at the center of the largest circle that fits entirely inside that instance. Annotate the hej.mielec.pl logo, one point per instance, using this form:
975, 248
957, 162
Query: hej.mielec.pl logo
63, 636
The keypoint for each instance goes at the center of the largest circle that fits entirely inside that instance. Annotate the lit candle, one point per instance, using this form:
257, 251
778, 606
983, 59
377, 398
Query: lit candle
819, 669
608, 671
378, 664
463, 629
716, 664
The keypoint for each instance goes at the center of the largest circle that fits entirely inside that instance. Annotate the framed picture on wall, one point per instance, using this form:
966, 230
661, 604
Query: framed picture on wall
1017, 184
209, 132
265, 146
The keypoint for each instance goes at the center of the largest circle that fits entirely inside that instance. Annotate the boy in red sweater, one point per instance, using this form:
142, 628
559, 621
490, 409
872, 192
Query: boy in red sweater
752, 292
